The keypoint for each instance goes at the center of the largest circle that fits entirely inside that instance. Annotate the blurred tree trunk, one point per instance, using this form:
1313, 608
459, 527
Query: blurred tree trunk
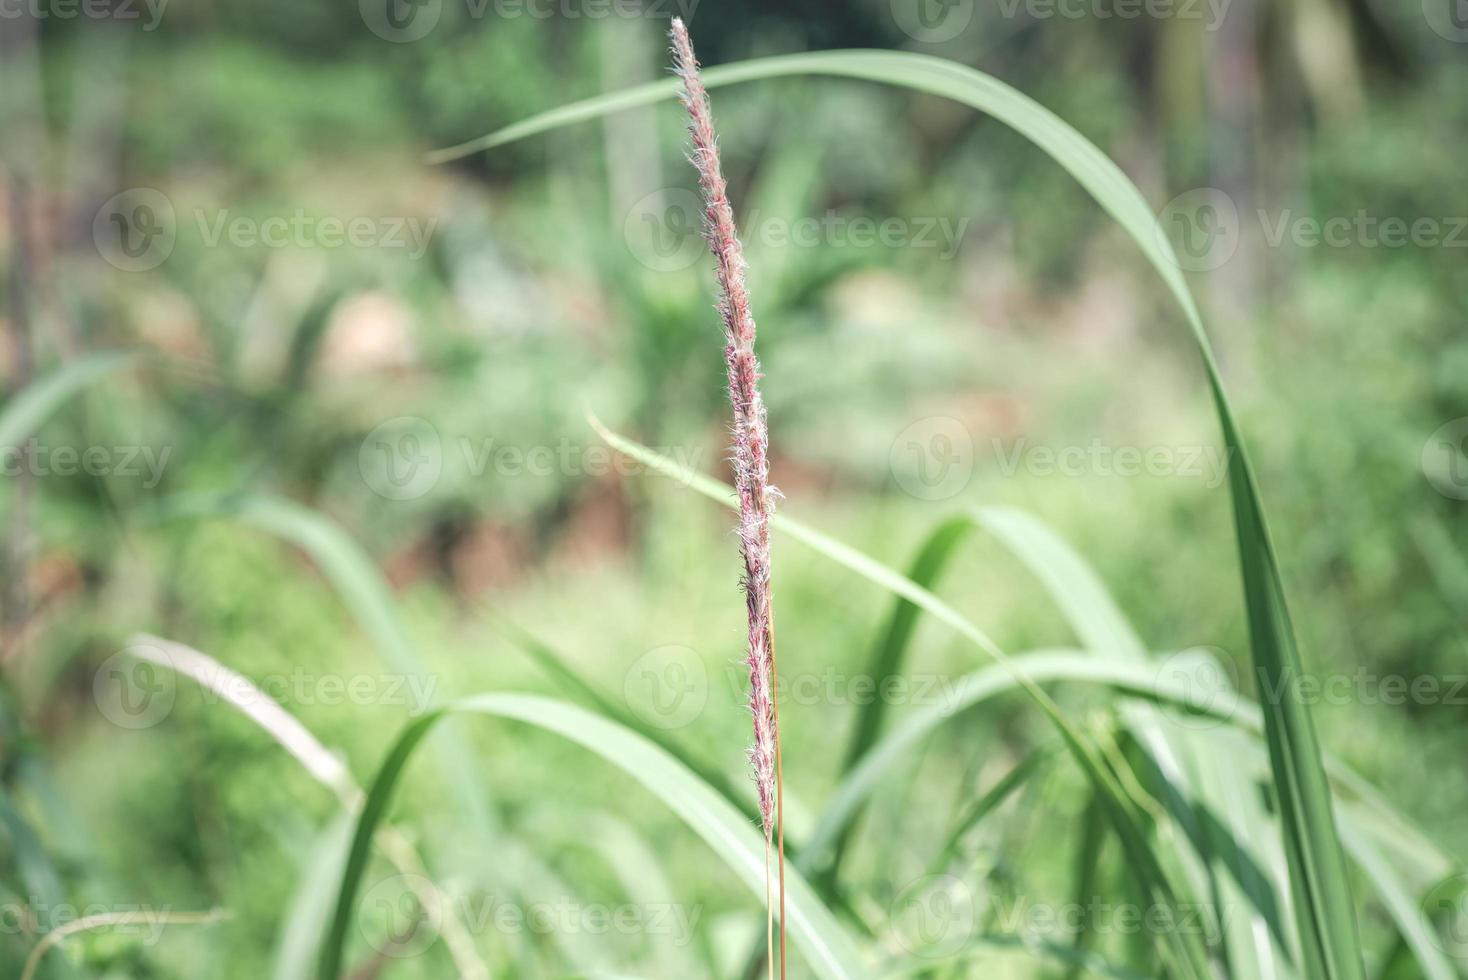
1232, 83
1325, 47
20, 100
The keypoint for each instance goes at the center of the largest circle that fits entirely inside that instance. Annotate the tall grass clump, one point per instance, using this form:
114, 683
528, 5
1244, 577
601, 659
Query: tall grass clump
1217, 802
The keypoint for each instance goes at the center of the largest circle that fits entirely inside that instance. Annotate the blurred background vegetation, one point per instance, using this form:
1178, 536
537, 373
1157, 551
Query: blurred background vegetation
544, 289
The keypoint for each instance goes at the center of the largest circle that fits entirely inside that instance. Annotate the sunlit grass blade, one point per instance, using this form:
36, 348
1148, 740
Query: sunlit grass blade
33, 864
887, 658
298, 946
985, 804
237, 691
828, 950
1224, 862
1087, 875
1324, 909
27, 410
1404, 908
1184, 951
1388, 825
361, 588
886, 662
555, 664
640, 869
1325, 913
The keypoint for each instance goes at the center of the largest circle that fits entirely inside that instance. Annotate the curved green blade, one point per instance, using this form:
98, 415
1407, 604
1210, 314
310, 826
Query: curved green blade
825, 944
23, 414
1184, 951
364, 592
1324, 910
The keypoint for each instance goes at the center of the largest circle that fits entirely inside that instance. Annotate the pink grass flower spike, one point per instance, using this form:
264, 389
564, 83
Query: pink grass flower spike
750, 452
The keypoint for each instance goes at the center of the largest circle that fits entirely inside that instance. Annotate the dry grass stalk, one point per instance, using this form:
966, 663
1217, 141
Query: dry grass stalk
750, 453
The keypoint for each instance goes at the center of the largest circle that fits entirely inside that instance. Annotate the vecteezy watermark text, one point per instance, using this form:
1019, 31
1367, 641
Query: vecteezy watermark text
401, 916
404, 458
934, 459
663, 231
135, 693
36, 917
150, 12
1204, 227
936, 21
1097, 458
35, 458
937, 915
405, 21
137, 229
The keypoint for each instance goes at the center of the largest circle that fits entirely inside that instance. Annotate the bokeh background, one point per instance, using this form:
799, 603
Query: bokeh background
410, 350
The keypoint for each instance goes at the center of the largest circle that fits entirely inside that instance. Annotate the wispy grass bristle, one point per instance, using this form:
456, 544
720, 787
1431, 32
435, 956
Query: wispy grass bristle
750, 439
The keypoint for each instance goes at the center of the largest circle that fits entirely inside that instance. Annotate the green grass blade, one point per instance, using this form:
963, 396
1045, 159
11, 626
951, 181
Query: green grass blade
1068, 578
826, 947
364, 592
1224, 864
241, 695
1185, 952
36, 870
1087, 874
298, 948
986, 804
28, 410
1388, 825
888, 657
887, 662
341, 560
1325, 914
1324, 909
553, 663
1405, 910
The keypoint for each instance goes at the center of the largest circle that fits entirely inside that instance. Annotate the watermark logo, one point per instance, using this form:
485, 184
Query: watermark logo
402, 458
667, 687
1445, 459
934, 916
1446, 906
933, 458
1448, 19
131, 691
662, 229
1202, 228
932, 21
1204, 678
135, 230
401, 915
400, 21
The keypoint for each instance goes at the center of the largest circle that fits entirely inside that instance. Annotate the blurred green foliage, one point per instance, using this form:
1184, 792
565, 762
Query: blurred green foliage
532, 304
